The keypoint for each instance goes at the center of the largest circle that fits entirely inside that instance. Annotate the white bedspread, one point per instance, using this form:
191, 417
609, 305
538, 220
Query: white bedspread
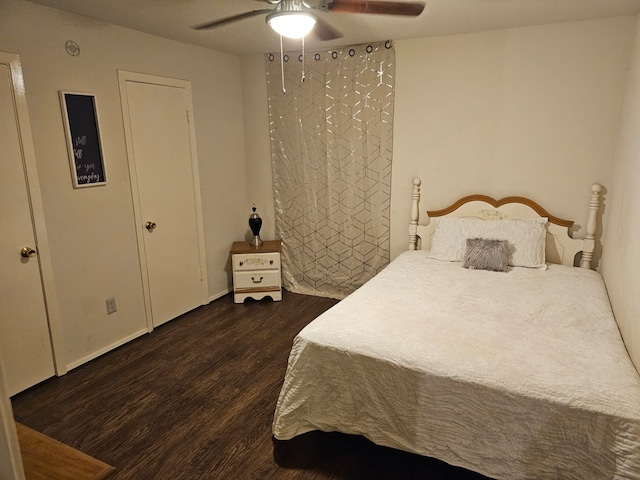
518, 375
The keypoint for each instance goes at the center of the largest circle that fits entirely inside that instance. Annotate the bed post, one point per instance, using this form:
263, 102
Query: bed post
592, 223
415, 214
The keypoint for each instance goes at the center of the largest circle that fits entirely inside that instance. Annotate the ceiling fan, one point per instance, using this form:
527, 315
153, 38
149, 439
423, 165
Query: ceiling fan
295, 18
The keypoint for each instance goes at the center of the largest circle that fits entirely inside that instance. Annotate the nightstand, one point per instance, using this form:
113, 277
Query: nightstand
256, 271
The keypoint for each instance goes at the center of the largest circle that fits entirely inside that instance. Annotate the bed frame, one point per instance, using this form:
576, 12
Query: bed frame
561, 248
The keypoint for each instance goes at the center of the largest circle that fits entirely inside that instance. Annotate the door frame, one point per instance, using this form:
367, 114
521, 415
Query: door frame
127, 76
37, 211
11, 465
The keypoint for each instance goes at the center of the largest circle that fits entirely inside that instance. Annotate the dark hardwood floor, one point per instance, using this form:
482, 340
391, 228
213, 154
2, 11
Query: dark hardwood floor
194, 399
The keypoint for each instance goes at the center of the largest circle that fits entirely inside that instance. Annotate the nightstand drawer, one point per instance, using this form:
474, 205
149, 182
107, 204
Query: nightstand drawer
255, 261
257, 279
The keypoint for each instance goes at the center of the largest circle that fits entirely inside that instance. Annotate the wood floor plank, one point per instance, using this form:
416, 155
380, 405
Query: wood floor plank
194, 399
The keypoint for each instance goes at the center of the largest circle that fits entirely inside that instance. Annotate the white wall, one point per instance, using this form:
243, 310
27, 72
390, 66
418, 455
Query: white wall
621, 255
530, 111
256, 124
91, 231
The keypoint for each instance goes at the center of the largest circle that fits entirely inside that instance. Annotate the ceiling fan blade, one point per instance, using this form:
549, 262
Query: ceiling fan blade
231, 19
411, 9
324, 31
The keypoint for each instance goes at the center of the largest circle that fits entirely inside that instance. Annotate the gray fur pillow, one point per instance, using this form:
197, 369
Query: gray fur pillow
482, 254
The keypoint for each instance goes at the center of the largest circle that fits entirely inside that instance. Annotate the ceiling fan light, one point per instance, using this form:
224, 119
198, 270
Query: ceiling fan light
291, 24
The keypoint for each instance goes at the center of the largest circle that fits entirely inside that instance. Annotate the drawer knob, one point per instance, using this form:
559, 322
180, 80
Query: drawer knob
241, 263
256, 281
270, 262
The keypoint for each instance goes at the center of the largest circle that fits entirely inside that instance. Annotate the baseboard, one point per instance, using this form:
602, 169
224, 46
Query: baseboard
218, 295
106, 349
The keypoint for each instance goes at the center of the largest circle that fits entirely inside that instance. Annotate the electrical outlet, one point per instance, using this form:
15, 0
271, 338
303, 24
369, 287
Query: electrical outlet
111, 305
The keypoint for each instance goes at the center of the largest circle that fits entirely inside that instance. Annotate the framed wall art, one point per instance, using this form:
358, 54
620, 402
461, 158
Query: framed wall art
83, 139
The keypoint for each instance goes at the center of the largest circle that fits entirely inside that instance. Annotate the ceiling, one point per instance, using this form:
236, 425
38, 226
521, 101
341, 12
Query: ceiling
173, 19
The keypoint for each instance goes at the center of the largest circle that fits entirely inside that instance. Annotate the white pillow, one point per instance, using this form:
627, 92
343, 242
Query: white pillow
526, 238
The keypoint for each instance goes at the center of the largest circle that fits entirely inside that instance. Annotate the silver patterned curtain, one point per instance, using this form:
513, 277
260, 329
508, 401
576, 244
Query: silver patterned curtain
331, 149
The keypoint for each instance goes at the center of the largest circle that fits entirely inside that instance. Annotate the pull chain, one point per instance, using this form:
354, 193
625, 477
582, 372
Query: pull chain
284, 90
303, 77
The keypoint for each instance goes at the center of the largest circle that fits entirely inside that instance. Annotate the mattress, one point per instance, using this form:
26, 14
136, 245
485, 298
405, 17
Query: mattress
516, 375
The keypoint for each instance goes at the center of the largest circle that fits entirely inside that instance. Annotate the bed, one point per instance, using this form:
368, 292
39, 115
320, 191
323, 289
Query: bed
515, 374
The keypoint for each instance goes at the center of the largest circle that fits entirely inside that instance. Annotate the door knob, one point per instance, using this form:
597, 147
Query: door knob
151, 226
28, 252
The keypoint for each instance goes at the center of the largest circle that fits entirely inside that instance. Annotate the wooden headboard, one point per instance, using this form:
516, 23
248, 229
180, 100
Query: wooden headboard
561, 248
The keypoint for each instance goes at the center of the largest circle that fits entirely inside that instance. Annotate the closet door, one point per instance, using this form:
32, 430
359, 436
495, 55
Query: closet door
163, 165
25, 342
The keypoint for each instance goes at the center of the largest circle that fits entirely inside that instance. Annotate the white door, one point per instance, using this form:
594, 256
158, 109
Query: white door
25, 342
163, 165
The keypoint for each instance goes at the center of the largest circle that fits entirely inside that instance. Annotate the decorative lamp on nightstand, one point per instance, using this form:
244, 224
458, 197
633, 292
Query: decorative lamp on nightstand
255, 223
